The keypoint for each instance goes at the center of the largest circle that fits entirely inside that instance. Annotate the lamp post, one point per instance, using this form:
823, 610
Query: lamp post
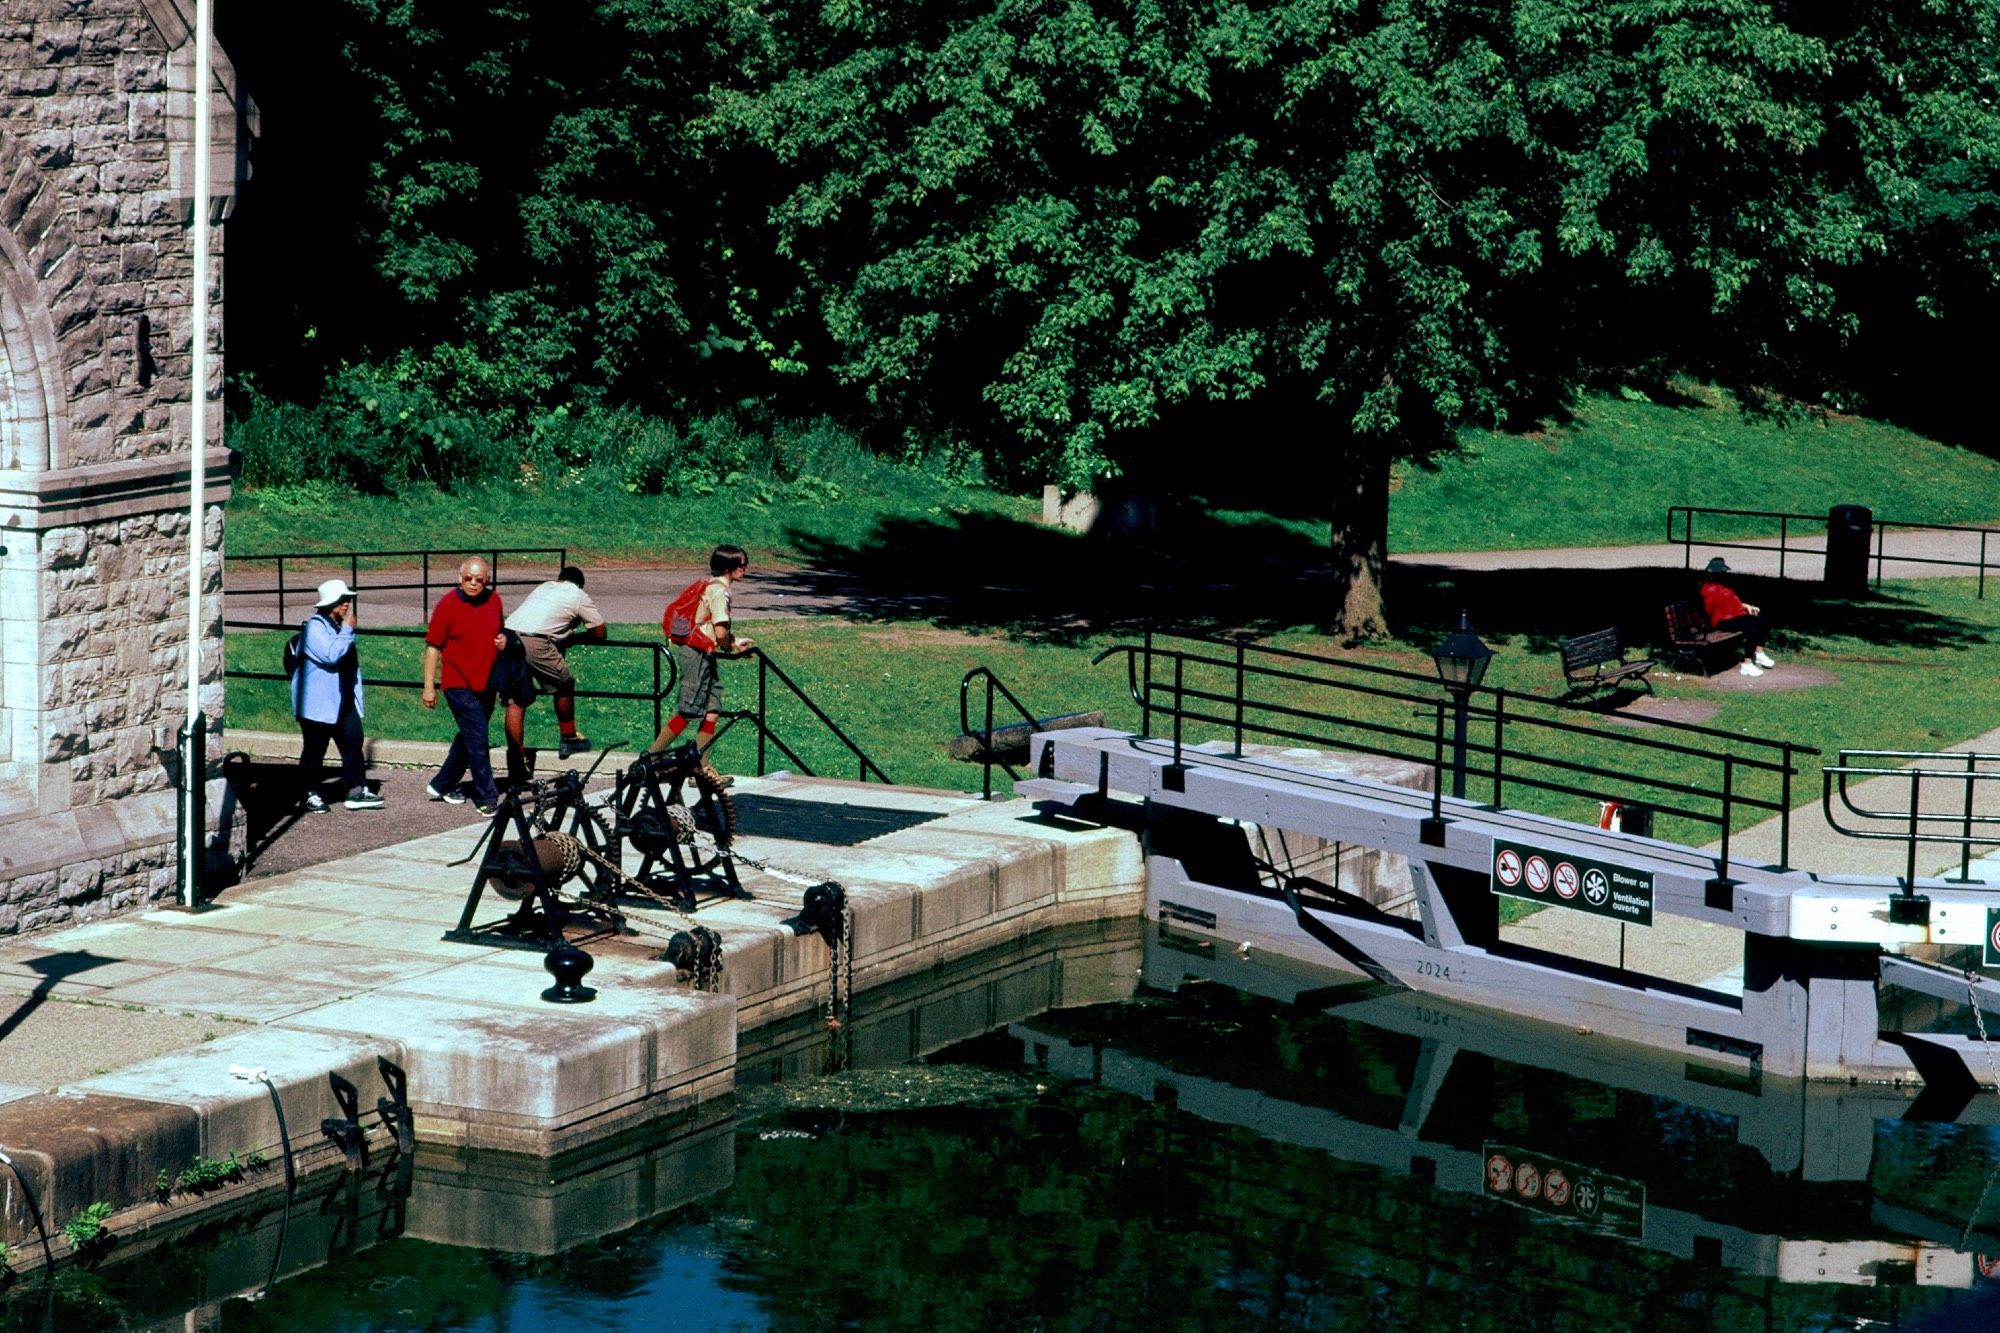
1461, 664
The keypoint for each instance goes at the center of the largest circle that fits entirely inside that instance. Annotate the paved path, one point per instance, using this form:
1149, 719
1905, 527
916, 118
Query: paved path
636, 594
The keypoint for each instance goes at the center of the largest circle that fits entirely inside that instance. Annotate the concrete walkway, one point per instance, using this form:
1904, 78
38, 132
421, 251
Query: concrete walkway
1704, 955
636, 594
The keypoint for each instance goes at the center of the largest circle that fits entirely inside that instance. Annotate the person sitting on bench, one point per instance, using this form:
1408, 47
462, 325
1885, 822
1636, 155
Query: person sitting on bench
1725, 610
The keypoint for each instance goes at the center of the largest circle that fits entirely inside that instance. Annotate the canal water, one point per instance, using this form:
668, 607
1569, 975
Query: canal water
1206, 1144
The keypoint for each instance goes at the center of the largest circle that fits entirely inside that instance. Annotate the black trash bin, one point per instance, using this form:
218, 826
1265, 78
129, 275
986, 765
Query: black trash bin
1849, 529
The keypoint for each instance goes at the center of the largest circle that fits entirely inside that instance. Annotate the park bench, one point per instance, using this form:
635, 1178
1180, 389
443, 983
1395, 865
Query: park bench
1595, 661
1690, 638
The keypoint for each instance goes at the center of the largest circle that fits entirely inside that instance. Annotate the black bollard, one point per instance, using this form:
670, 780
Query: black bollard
568, 965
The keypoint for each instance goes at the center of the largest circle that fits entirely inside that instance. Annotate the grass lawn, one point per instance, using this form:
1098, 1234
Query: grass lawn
894, 688
1609, 475
599, 523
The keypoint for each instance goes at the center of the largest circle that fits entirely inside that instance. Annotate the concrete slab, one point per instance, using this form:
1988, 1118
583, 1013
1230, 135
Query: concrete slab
236, 1115
234, 995
53, 1043
76, 1149
501, 1074
362, 899
247, 917
335, 968
140, 939
836, 792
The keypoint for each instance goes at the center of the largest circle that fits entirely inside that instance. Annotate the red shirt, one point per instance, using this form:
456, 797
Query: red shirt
1721, 603
463, 631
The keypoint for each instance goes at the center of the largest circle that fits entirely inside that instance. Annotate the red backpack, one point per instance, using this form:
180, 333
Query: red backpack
677, 623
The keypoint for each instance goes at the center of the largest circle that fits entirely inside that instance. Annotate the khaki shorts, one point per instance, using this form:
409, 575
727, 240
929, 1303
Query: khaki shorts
547, 663
701, 684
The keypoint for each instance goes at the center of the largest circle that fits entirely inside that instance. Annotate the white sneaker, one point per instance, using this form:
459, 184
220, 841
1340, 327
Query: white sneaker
452, 797
1749, 669
1763, 659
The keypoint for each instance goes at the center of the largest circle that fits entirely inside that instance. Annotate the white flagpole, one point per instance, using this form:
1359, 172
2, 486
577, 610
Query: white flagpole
194, 775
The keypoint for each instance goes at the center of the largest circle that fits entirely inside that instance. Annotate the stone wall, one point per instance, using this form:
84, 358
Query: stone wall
96, 279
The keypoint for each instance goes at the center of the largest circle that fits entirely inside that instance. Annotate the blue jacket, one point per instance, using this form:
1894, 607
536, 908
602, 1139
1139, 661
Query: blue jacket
329, 670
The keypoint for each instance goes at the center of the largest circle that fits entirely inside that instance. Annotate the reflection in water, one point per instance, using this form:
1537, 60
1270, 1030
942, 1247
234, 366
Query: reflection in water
1225, 1149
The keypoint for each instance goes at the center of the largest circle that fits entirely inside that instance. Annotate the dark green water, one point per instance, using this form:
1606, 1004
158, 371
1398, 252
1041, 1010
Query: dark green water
1199, 1157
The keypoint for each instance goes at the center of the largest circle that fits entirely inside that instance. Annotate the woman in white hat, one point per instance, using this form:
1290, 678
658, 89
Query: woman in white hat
326, 697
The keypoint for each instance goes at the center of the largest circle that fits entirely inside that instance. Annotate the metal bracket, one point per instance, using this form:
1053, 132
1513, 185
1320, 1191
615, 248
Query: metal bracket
395, 1108
347, 1132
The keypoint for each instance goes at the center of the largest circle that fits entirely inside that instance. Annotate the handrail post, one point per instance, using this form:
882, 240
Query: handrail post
763, 718
986, 746
281, 587
1437, 765
1728, 808
426, 577
1784, 527
1499, 733
1146, 687
1785, 808
1982, 565
1239, 698
1965, 838
659, 689
1180, 705
1881, 541
1910, 877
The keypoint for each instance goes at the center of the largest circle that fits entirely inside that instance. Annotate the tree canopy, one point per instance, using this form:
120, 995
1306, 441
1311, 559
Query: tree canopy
1093, 236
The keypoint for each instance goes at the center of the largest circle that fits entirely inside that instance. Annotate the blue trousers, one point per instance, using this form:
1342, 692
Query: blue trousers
473, 710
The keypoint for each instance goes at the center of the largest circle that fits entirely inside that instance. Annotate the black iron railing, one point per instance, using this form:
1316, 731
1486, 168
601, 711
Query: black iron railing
770, 673
665, 682
1240, 690
995, 690
666, 676
378, 580
1909, 822
1980, 542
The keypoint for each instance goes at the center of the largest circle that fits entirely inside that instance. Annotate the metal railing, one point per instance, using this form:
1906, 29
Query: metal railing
353, 561
1961, 828
767, 673
995, 689
1226, 684
1988, 540
666, 680
666, 676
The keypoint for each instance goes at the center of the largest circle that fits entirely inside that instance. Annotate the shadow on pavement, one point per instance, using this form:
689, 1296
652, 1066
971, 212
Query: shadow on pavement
986, 572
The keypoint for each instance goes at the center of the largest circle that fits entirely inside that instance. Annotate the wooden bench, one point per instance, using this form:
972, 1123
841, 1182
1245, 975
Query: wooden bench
1595, 661
1690, 638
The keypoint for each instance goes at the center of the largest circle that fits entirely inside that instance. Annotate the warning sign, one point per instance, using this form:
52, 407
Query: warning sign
1605, 1204
1993, 937
1597, 887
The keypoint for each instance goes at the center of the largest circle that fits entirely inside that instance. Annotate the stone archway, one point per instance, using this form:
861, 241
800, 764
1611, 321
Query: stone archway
31, 416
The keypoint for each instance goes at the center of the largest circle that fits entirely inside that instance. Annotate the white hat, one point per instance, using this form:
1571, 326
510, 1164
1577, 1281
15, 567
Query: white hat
333, 590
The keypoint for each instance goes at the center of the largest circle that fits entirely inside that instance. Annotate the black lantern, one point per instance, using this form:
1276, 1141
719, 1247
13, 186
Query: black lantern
1462, 659
1461, 664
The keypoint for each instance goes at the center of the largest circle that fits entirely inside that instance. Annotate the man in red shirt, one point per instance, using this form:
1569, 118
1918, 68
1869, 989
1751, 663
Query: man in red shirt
1728, 611
463, 640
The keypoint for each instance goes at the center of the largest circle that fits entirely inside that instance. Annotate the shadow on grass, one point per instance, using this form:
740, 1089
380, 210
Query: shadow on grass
982, 572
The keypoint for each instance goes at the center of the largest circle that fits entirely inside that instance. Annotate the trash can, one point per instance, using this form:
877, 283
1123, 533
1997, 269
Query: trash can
1849, 529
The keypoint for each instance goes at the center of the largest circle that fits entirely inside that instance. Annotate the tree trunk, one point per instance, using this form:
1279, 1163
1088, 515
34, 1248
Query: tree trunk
1359, 490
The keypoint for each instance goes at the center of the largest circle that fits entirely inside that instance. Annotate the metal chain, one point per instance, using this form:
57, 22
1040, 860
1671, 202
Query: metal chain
1979, 1018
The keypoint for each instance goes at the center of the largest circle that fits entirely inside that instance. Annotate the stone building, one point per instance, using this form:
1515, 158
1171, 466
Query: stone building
96, 266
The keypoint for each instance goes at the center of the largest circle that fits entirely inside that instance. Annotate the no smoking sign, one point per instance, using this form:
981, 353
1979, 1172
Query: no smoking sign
1572, 878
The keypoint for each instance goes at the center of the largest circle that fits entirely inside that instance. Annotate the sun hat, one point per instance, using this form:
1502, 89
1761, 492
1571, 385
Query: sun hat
333, 590
1718, 566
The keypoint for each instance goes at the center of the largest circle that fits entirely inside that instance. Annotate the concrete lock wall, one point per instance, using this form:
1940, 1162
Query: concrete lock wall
96, 280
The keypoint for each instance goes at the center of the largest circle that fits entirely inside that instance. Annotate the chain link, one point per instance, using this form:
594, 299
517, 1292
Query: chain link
1979, 1019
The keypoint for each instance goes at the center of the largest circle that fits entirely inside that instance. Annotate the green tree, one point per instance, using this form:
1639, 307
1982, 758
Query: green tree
1358, 226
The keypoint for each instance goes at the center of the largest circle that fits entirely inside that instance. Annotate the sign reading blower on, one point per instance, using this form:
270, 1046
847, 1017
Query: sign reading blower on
1577, 882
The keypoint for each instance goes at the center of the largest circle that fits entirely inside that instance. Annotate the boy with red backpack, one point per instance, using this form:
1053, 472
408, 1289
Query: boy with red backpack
697, 624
